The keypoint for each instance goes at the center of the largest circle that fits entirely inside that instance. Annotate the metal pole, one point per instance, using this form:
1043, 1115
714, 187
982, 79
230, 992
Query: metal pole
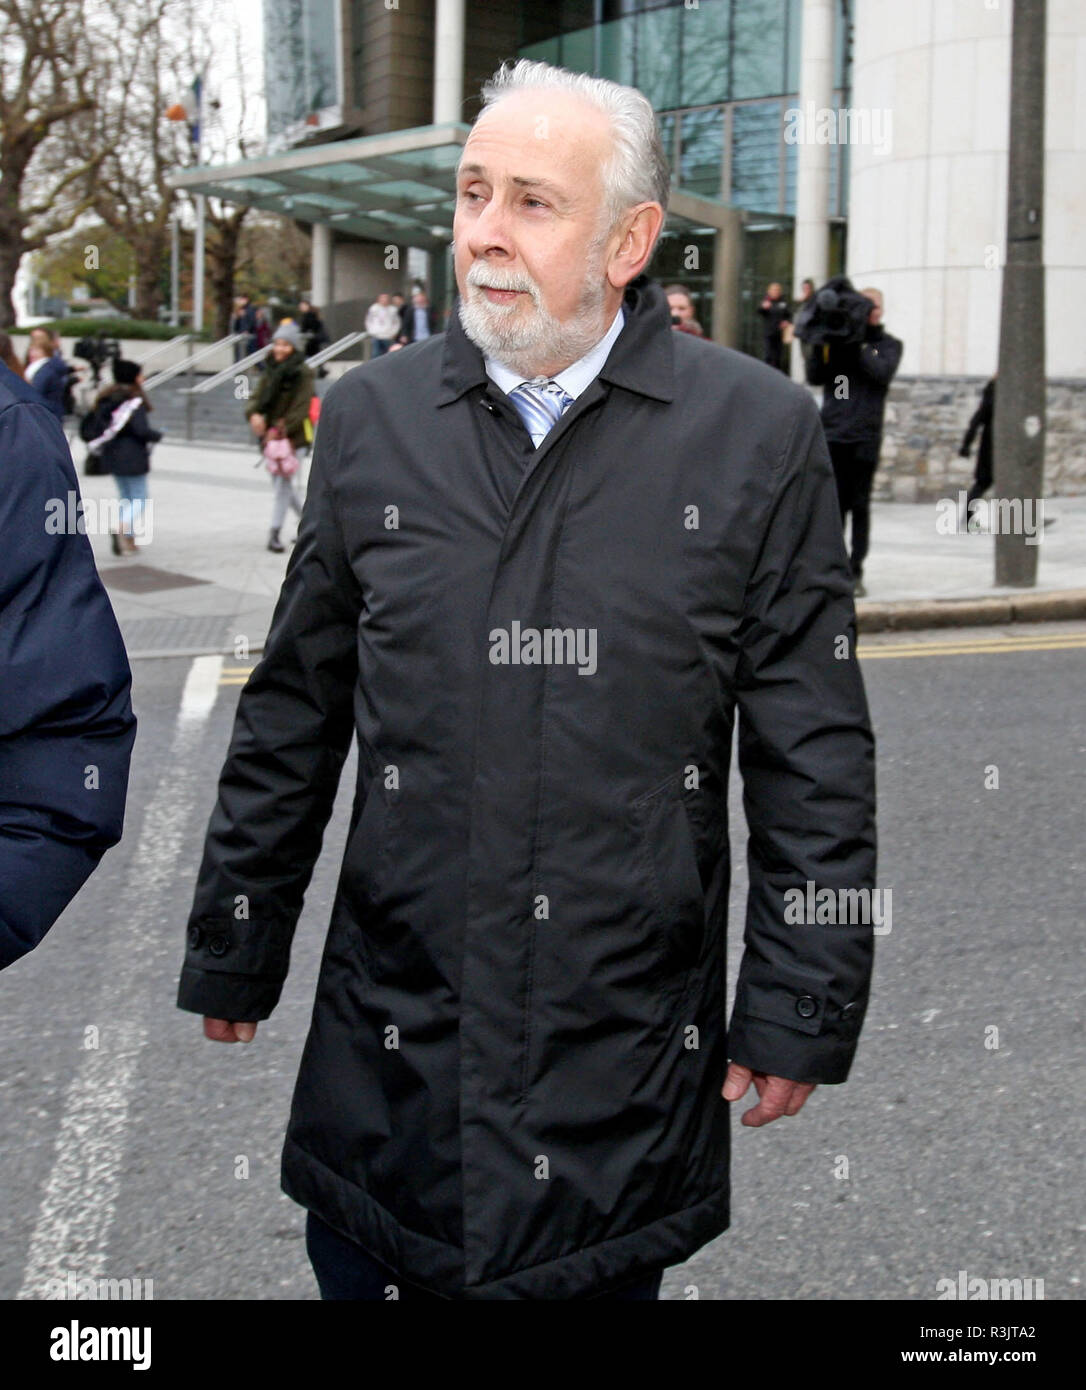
1018, 438
175, 269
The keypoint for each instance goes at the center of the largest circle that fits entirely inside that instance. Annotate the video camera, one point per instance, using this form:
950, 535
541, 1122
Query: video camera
97, 350
837, 313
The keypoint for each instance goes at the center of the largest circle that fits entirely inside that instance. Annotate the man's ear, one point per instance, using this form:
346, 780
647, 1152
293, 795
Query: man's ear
639, 228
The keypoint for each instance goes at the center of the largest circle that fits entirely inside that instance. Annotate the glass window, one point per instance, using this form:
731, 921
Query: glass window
702, 144
756, 152
617, 51
658, 56
300, 50
759, 42
579, 50
666, 124
795, 40
546, 52
704, 34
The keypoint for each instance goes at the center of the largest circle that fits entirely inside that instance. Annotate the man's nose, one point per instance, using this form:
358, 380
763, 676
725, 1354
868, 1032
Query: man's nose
490, 232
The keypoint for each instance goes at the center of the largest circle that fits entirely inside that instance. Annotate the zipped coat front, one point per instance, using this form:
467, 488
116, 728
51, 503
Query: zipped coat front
511, 1086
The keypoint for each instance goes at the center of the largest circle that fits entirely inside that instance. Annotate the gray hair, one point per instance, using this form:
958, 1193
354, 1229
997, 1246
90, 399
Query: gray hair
638, 170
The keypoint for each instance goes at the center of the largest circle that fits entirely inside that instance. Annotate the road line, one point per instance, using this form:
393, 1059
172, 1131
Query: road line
78, 1205
1062, 644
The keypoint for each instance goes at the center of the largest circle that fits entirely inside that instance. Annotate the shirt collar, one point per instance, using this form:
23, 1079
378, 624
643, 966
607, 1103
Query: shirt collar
641, 356
572, 379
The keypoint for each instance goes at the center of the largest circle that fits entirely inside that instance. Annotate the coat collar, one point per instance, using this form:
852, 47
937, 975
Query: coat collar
641, 359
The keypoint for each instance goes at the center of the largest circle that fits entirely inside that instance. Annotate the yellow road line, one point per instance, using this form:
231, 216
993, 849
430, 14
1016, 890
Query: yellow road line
906, 649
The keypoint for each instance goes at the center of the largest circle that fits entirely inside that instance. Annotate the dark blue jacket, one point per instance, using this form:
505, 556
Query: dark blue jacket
49, 383
66, 721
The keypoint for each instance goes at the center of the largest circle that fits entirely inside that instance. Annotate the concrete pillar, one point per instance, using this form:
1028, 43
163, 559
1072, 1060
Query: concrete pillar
812, 232
321, 273
448, 61
727, 260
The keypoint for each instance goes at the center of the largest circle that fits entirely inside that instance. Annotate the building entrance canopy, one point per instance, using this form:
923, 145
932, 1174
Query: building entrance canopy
399, 187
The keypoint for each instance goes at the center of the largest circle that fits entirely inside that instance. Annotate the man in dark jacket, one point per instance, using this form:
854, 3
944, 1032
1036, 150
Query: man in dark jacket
244, 321
66, 721
982, 422
855, 377
775, 313
418, 320
541, 595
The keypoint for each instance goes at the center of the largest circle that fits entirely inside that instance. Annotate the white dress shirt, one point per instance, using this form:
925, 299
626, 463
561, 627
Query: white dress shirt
573, 379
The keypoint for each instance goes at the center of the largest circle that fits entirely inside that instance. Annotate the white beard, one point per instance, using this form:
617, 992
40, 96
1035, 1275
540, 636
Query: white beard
530, 341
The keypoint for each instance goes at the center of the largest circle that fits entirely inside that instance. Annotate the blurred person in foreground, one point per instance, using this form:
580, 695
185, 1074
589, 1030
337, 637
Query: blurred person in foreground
66, 721
548, 558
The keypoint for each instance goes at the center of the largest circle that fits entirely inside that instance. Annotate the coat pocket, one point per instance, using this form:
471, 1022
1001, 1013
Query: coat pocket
670, 871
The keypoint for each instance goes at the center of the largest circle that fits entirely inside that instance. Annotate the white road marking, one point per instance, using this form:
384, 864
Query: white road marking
79, 1202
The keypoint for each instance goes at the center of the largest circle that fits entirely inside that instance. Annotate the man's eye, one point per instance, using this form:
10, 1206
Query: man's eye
468, 194
537, 202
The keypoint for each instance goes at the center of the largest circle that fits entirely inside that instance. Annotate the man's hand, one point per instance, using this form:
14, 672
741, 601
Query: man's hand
777, 1095
219, 1030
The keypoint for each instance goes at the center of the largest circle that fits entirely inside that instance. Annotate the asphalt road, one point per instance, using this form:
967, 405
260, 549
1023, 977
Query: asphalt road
154, 1154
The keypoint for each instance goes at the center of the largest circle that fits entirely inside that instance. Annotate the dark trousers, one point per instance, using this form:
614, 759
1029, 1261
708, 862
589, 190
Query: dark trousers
854, 469
347, 1272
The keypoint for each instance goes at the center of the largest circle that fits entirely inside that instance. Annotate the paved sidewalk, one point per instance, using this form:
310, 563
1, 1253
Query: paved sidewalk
205, 578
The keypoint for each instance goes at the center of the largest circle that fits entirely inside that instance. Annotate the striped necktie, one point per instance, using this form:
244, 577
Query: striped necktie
540, 404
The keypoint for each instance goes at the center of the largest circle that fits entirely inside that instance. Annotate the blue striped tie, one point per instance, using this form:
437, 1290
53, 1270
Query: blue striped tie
540, 404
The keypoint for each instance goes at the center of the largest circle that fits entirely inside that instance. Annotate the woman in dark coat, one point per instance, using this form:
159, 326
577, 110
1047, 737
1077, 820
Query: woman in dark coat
126, 453
982, 422
280, 410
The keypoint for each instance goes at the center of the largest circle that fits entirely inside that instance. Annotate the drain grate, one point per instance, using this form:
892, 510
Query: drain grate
213, 633
145, 579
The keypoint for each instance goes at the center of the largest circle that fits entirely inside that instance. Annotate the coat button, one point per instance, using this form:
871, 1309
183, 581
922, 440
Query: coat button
806, 1006
850, 1010
195, 937
218, 945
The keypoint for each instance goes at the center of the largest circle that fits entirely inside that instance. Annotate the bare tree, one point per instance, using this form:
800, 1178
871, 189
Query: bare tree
137, 146
44, 89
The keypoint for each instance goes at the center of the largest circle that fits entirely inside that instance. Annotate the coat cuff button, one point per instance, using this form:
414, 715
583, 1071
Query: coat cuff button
218, 945
806, 1006
195, 937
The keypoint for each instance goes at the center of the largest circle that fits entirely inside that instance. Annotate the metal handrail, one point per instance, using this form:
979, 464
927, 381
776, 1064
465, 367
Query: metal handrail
165, 347
243, 363
185, 365
334, 349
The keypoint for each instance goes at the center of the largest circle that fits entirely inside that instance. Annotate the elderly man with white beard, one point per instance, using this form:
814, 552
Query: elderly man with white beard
548, 560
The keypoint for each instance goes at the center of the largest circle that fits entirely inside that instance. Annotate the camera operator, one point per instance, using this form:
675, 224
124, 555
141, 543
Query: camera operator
854, 363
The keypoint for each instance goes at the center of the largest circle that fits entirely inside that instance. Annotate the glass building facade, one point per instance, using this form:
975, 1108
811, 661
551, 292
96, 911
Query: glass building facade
721, 75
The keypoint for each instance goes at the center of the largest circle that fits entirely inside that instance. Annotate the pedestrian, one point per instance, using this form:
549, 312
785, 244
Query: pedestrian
855, 376
46, 370
9, 357
682, 310
67, 720
382, 323
402, 312
775, 315
540, 596
314, 333
120, 436
278, 414
244, 321
418, 321
983, 477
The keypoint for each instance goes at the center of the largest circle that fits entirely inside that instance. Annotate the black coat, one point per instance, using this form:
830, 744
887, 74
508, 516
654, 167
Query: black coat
129, 453
982, 421
511, 1085
66, 704
854, 415
407, 321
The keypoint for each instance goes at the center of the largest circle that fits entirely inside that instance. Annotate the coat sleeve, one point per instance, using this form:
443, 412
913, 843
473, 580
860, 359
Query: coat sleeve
66, 721
139, 426
880, 360
291, 735
806, 755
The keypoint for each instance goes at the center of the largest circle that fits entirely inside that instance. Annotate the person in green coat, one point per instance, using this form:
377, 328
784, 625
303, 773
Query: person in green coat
280, 411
